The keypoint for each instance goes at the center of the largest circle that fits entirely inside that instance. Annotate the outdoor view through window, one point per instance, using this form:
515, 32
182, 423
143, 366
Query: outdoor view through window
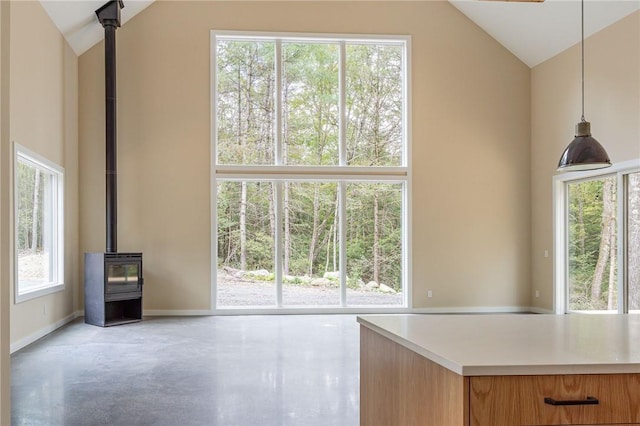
38, 225
593, 239
311, 172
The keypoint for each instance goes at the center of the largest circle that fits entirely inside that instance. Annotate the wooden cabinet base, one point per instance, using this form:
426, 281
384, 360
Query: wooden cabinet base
400, 387
520, 400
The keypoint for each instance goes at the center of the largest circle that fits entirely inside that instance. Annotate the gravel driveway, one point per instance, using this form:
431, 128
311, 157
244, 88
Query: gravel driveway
240, 292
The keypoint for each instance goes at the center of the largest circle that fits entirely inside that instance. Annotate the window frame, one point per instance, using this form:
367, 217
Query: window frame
341, 173
561, 230
56, 173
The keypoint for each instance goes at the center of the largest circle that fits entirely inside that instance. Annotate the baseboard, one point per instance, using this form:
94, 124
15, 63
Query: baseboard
473, 310
371, 310
175, 312
16, 346
536, 310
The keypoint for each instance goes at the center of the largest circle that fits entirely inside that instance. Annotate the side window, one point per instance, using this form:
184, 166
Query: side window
592, 244
597, 240
38, 219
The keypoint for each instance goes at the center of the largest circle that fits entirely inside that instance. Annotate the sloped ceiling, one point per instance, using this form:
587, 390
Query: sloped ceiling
77, 21
534, 32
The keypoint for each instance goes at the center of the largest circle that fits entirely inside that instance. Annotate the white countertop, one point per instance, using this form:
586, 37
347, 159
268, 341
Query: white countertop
518, 344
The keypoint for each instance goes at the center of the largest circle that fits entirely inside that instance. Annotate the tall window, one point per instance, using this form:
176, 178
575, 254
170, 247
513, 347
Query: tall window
310, 170
598, 240
38, 225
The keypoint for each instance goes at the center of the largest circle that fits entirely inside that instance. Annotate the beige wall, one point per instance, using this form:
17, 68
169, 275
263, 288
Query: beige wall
43, 107
470, 152
612, 105
5, 256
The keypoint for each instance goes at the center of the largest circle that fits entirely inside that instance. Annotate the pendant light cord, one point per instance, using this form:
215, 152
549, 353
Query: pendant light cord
582, 49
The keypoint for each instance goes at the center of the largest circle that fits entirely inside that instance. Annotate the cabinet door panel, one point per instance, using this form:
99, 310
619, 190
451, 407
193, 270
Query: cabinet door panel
520, 400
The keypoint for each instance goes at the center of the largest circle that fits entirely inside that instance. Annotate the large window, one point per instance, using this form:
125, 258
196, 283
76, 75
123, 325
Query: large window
598, 240
310, 148
38, 225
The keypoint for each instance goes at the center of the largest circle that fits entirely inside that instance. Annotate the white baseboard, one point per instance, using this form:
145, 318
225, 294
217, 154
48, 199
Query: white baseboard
370, 310
175, 312
541, 310
16, 346
473, 310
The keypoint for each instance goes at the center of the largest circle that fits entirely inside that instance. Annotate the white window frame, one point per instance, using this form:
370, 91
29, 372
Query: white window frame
342, 173
56, 174
561, 226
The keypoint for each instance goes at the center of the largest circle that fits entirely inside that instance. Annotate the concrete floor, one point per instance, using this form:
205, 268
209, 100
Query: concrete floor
244, 370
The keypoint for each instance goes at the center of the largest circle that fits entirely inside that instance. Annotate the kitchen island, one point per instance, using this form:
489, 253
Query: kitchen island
492, 370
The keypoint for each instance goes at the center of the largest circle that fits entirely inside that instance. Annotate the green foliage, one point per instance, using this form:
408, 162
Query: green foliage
245, 102
259, 277
374, 105
258, 253
585, 228
310, 97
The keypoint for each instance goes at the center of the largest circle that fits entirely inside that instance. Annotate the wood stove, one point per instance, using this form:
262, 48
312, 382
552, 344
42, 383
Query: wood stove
112, 288
112, 281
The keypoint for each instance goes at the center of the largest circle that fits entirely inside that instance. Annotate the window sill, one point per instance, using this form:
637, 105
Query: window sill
38, 293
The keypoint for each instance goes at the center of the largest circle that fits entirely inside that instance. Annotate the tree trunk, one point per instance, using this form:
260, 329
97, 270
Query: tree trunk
272, 212
608, 213
35, 213
582, 232
243, 226
328, 253
376, 239
314, 231
336, 217
242, 138
611, 299
285, 188
287, 229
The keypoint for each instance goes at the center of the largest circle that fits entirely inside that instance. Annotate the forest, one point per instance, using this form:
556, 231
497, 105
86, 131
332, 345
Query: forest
308, 121
34, 224
593, 243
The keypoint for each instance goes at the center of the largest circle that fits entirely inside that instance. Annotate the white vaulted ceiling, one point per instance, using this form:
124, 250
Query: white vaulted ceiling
77, 21
534, 32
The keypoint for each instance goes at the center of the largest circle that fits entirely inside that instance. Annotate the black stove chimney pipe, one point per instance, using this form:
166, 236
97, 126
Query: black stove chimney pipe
109, 17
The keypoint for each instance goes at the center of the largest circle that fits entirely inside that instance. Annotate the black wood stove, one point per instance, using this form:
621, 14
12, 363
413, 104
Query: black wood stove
112, 281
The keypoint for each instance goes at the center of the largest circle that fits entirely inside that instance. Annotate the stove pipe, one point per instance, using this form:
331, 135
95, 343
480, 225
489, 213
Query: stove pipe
109, 17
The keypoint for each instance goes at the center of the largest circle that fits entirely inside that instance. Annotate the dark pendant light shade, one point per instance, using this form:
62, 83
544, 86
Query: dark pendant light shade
584, 152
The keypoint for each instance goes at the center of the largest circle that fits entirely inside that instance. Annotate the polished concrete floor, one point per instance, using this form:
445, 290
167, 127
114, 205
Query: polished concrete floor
243, 370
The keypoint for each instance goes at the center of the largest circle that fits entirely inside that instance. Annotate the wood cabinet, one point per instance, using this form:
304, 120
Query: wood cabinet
555, 399
400, 387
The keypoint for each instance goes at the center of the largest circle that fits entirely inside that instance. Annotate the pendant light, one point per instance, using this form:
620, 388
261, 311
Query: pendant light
584, 152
